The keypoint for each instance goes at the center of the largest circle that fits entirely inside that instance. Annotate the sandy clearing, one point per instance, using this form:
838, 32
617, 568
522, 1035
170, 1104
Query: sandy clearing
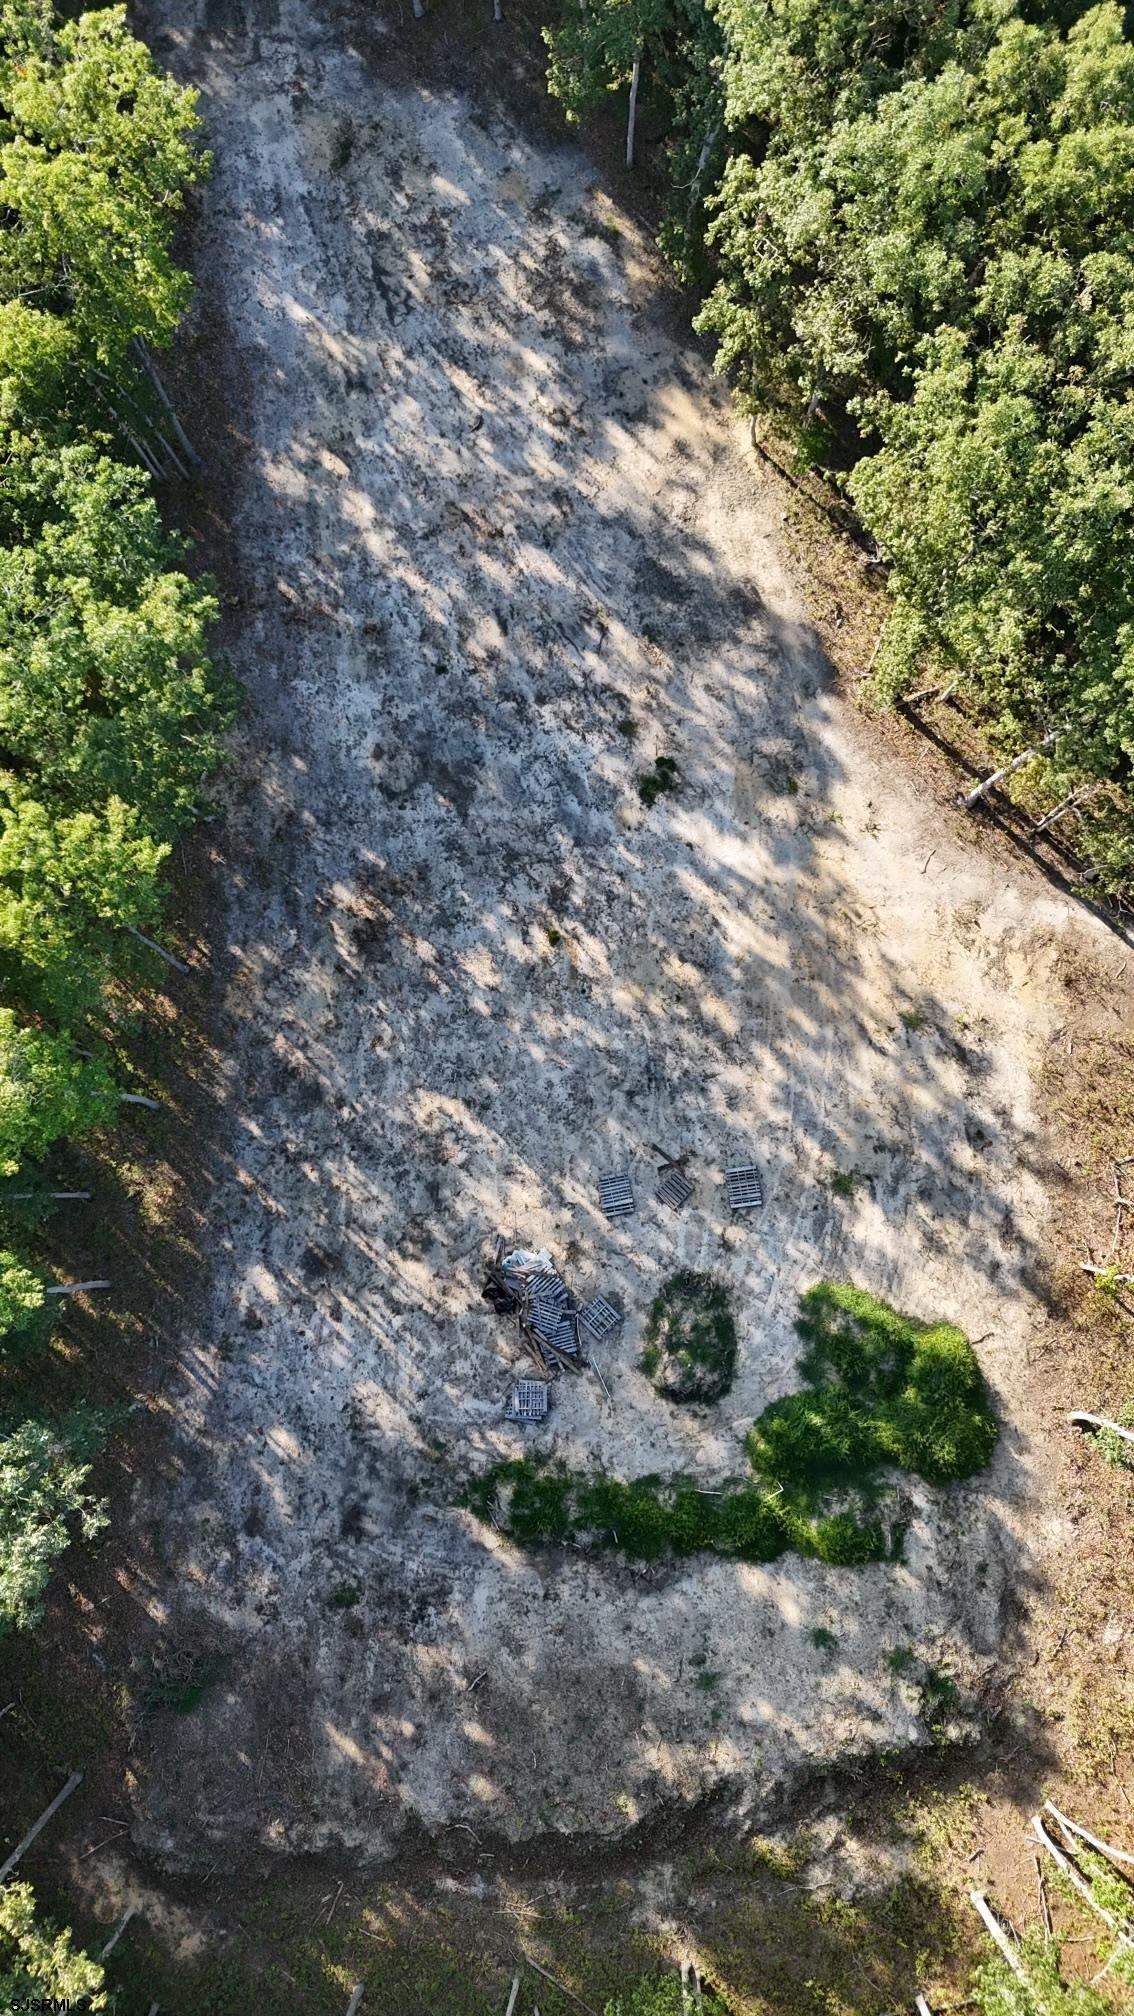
493, 511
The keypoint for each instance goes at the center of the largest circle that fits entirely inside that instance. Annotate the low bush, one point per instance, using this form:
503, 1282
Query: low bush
690, 1348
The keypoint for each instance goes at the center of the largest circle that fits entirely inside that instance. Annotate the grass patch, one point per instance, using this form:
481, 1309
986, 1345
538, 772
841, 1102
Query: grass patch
345, 1596
181, 1690
883, 1392
690, 1348
652, 784
662, 1997
823, 1640
844, 1182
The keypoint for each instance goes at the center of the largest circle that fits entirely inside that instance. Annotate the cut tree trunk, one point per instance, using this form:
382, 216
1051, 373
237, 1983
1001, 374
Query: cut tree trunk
1067, 804
77, 1287
1079, 1882
1080, 1420
21, 1847
139, 1099
154, 376
131, 1912
1072, 1826
152, 946
997, 1933
939, 693
55, 1196
1087, 1267
635, 74
967, 800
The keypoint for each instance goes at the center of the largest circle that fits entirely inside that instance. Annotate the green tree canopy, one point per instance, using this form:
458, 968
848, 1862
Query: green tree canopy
39, 1963
97, 148
106, 686
47, 1092
920, 233
45, 1503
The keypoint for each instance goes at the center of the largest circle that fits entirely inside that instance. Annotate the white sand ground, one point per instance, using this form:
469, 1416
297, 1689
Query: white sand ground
492, 510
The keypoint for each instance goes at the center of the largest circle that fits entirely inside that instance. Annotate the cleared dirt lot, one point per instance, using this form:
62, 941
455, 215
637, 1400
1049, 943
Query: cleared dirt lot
492, 512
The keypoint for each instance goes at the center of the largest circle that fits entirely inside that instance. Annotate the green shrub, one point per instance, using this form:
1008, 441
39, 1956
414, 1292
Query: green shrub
690, 1348
1114, 1448
653, 783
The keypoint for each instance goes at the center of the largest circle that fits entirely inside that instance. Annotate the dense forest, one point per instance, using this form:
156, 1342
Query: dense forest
913, 227
110, 710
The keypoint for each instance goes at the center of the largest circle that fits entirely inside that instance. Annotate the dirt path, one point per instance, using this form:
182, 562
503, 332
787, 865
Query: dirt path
492, 516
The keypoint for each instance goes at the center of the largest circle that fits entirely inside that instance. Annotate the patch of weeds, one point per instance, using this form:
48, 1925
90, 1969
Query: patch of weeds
883, 1392
900, 1660
553, 934
913, 1019
653, 783
342, 146
628, 728
345, 1596
181, 1689
1114, 1448
690, 1339
844, 1182
939, 1695
784, 1861
707, 1681
823, 1640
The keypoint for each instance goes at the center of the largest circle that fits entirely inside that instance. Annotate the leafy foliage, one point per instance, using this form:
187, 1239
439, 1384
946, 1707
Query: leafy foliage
690, 1349
1115, 1449
39, 1966
918, 225
96, 151
883, 1392
46, 1092
24, 1311
44, 1504
111, 713
998, 1992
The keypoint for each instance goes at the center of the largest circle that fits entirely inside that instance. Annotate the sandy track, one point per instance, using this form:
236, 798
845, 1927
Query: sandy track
492, 512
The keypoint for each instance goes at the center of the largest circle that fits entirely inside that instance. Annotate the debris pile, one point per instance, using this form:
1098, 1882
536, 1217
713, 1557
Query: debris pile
555, 1328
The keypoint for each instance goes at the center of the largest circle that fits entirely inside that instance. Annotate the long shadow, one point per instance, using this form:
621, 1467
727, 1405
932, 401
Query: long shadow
496, 554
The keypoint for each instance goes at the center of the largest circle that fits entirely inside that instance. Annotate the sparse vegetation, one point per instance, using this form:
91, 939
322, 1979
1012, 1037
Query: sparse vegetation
652, 784
1114, 1449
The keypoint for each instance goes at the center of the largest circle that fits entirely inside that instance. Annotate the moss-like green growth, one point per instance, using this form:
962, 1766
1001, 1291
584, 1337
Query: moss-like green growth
690, 1349
663, 1997
663, 777
883, 1391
